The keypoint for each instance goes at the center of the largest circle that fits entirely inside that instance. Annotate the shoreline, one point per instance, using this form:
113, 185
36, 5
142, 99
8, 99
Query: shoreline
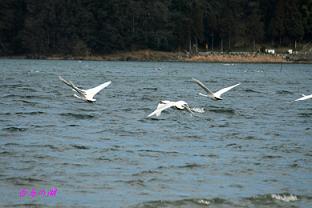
149, 55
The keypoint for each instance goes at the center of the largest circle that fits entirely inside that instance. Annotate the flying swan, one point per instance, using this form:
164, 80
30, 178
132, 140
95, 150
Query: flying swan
165, 104
216, 95
304, 97
86, 95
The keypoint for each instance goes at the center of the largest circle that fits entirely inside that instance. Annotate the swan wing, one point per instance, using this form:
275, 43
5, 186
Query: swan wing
304, 97
93, 91
161, 106
203, 86
73, 86
220, 92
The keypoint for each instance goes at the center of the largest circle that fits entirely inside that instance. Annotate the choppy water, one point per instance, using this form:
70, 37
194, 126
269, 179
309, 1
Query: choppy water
252, 149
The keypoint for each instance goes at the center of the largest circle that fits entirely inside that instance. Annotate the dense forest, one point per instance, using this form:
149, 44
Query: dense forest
86, 27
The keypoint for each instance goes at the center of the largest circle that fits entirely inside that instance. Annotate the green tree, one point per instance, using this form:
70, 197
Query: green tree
293, 21
306, 11
254, 27
278, 21
12, 15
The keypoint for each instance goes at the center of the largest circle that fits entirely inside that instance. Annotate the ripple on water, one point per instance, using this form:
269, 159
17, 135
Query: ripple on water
184, 166
284, 200
146, 173
184, 203
15, 129
80, 147
24, 180
228, 111
284, 92
31, 113
77, 115
30, 205
305, 114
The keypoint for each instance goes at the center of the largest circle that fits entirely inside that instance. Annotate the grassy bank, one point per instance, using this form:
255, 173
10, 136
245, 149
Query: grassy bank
239, 58
149, 55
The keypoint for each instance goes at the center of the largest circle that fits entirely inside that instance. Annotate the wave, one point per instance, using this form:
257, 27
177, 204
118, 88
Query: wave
52, 147
14, 86
80, 147
8, 95
5, 114
14, 129
137, 182
6, 153
185, 166
148, 98
269, 200
184, 203
30, 205
305, 114
26, 102
27, 89
223, 110
77, 116
274, 199
150, 88
271, 157
285, 198
146, 172
24, 180
30, 113
42, 126
21, 96
250, 138
198, 110
11, 144
284, 92
158, 151
251, 91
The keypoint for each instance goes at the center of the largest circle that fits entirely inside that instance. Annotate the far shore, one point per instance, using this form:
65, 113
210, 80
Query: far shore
149, 55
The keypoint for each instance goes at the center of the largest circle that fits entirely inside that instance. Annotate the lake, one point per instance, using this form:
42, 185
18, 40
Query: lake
251, 149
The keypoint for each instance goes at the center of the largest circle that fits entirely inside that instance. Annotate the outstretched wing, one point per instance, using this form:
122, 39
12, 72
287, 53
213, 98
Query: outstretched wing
305, 97
220, 92
70, 84
161, 106
93, 91
203, 86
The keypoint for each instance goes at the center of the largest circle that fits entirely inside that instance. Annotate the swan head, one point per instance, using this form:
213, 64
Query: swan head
181, 105
91, 100
218, 98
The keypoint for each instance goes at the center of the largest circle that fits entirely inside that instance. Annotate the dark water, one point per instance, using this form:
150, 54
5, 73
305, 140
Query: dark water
252, 149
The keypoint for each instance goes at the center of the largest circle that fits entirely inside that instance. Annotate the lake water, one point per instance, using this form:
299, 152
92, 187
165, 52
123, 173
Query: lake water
252, 149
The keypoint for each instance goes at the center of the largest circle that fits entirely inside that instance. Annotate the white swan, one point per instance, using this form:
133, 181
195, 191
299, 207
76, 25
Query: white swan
216, 95
86, 95
163, 105
304, 97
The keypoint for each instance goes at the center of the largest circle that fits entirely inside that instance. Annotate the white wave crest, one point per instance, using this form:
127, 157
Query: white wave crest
198, 110
203, 202
285, 198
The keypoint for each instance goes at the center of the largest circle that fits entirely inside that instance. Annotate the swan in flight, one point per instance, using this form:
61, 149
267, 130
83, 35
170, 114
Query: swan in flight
163, 105
216, 95
86, 95
304, 97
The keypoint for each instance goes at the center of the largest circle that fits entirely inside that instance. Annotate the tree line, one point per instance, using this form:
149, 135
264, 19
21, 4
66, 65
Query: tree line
85, 27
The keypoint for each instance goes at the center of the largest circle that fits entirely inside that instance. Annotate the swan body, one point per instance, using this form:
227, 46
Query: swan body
165, 104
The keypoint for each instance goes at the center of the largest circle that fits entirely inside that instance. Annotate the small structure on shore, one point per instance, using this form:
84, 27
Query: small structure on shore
270, 51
